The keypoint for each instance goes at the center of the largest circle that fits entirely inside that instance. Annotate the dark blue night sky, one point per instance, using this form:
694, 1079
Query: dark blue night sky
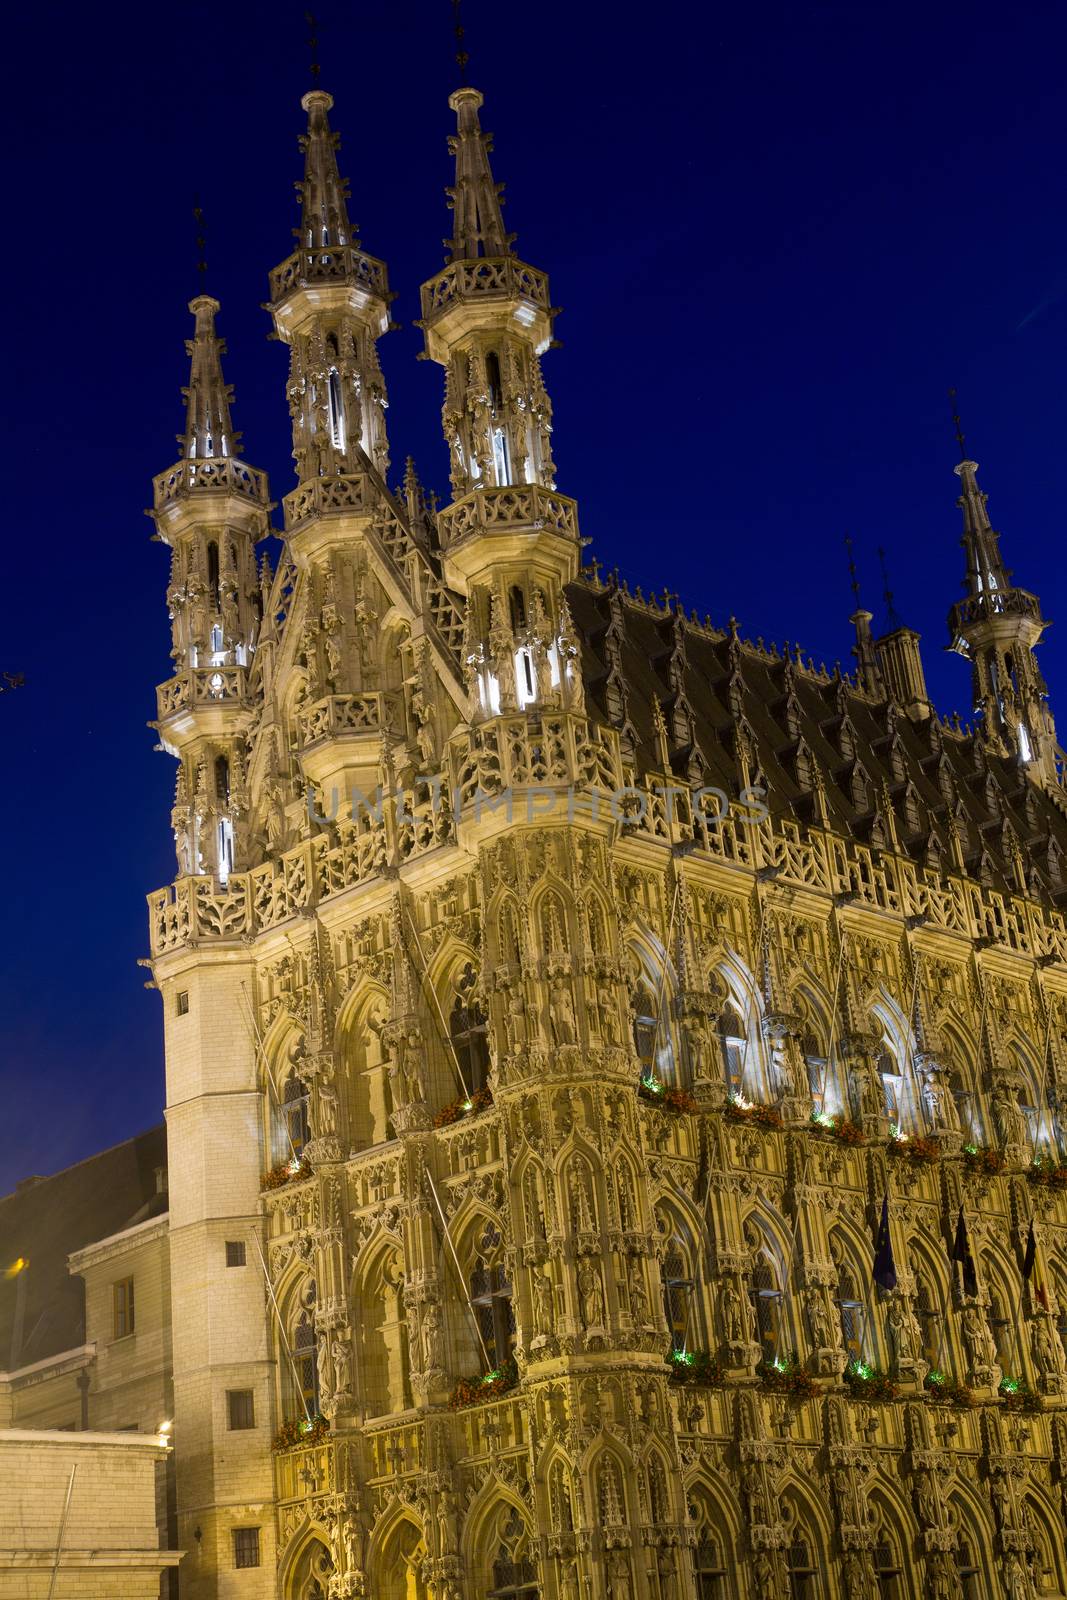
778, 235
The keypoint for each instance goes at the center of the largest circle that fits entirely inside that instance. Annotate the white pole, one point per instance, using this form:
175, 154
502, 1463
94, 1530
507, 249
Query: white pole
62, 1530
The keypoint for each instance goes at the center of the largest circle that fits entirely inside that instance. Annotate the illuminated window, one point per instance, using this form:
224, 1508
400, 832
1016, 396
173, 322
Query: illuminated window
122, 1308
468, 1032
767, 1303
305, 1362
295, 1115
490, 1295
677, 1299
246, 1547
213, 572
646, 1028
337, 415
850, 1312
892, 1085
732, 1041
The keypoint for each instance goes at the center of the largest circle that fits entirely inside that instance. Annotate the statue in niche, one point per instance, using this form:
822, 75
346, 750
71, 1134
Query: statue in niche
591, 1294
561, 1017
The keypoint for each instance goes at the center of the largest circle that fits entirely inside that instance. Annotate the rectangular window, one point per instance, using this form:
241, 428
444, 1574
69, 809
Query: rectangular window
246, 1547
235, 1252
122, 1308
241, 1407
183, 1002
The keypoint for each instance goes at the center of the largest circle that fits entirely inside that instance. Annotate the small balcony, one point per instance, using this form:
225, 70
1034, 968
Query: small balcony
201, 687
515, 509
352, 495
487, 278
226, 476
333, 264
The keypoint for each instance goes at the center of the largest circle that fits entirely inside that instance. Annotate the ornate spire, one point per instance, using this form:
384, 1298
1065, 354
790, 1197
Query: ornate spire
986, 571
208, 432
997, 626
475, 199
323, 193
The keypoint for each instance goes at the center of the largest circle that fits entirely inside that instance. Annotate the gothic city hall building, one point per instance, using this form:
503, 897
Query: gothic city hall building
615, 1068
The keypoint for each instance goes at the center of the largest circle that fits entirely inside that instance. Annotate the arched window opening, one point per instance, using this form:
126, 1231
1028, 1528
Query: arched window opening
468, 1031
305, 1358
495, 392
850, 1309
491, 1297
222, 780
1061, 1312
646, 1028
888, 1568
514, 1575
709, 1569
517, 609
295, 1130
767, 1304
892, 1085
966, 1108
678, 1289
732, 1044
213, 573
802, 1569
216, 641
967, 1570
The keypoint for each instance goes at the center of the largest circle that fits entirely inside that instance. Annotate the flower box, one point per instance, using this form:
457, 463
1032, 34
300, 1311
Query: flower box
665, 1095
759, 1116
921, 1150
300, 1432
942, 1391
869, 1383
1017, 1395
696, 1368
1049, 1172
842, 1129
295, 1170
983, 1161
467, 1105
786, 1376
489, 1386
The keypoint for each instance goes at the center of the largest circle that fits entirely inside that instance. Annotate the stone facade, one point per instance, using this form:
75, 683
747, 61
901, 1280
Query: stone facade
530, 1134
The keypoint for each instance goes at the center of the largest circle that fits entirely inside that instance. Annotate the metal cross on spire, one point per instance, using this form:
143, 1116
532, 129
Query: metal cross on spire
959, 426
461, 57
853, 574
201, 241
887, 594
313, 44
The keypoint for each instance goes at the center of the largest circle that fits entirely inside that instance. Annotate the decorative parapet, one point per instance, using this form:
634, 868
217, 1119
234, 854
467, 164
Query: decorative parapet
226, 476
351, 495
994, 603
344, 713
194, 909
507, 510
519, 751
332, 265
487, 277
201, 686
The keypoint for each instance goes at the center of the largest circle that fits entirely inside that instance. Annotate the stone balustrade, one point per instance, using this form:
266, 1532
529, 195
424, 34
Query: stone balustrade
224, 476
489, 277
335, 264
506, 510
201, 686
339, 714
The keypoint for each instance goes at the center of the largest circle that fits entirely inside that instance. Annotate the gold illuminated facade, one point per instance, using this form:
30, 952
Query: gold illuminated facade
554, 987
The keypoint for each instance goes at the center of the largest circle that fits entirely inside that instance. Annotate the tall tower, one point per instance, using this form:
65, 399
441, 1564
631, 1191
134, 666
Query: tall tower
211, 508
510, 541
997, 627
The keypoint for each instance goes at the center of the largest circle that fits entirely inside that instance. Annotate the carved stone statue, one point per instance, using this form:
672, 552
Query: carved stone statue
591, 1295
561, 1013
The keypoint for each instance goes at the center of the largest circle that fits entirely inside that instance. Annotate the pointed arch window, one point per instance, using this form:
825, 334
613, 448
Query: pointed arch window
887, 1566
469, 1033
305, 1356
337, 411
892, 1085
732, 1045
646, 1028
514, 1575
295, 1130
495, 392
850, 1310
491, 1296
767, 1304
967, 1569
678, 1289
711, 1549
802, 1569
213, 572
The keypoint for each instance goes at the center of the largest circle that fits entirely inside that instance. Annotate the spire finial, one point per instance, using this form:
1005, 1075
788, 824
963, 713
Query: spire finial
475, 199
313, 44
891, 616
461, 57
853, 574
201, 241
959, 426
